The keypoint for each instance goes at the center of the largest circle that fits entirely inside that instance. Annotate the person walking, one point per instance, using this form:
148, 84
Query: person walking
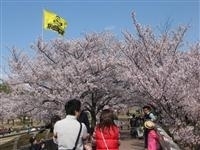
133, 124
136, 124
69, 133
153, 139
148, 115
106, 134
83, 117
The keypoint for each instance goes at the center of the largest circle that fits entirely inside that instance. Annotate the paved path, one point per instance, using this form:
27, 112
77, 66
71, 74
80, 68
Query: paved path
129, 143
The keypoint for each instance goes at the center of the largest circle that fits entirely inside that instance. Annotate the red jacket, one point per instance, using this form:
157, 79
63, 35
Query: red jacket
111, 136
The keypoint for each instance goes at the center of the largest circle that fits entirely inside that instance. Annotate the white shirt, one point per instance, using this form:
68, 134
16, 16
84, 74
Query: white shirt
67, 131
153, 118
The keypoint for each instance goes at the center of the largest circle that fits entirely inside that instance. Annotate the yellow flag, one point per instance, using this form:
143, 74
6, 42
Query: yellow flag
54, 22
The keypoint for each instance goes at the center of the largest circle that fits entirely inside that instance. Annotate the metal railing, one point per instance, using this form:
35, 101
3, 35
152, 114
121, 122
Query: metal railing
165, 140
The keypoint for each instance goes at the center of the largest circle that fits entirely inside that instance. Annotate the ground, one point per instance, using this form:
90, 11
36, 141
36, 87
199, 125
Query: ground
128, 143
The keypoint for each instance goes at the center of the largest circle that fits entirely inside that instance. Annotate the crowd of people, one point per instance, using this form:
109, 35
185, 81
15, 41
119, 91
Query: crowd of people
144, 126
74, 133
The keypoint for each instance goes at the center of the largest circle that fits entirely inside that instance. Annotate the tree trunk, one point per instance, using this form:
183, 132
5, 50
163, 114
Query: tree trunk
13, 122
93, 121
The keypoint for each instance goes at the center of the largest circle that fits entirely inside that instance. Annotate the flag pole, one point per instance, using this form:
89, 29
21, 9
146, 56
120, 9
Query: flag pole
42, 27
1, 41
1, 45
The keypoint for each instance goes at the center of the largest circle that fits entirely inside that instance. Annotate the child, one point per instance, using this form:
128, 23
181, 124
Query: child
153, 139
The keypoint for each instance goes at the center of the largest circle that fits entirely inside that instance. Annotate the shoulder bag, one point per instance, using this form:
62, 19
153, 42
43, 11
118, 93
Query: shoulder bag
77, 137
104, 140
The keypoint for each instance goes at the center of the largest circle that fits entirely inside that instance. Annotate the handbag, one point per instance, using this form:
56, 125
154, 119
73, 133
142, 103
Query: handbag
104, 140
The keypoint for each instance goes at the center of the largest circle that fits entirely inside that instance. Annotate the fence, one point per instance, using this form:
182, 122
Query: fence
166, 141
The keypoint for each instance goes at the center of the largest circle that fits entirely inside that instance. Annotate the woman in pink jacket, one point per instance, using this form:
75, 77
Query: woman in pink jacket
153, 139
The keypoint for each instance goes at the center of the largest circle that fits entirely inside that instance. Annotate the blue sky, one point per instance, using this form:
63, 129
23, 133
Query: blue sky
21, 20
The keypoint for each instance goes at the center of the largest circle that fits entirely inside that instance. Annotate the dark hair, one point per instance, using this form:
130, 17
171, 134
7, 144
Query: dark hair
84, 119
32, 139
147, 107
106, 119
71, 106
133, 115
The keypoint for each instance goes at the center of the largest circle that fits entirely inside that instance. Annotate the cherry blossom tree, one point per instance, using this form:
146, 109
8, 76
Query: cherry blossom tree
142, 68
5, 103
62, 70
166, 76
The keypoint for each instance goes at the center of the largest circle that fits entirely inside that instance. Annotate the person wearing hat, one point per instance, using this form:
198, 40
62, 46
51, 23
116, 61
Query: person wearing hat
152, 138
148, 115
